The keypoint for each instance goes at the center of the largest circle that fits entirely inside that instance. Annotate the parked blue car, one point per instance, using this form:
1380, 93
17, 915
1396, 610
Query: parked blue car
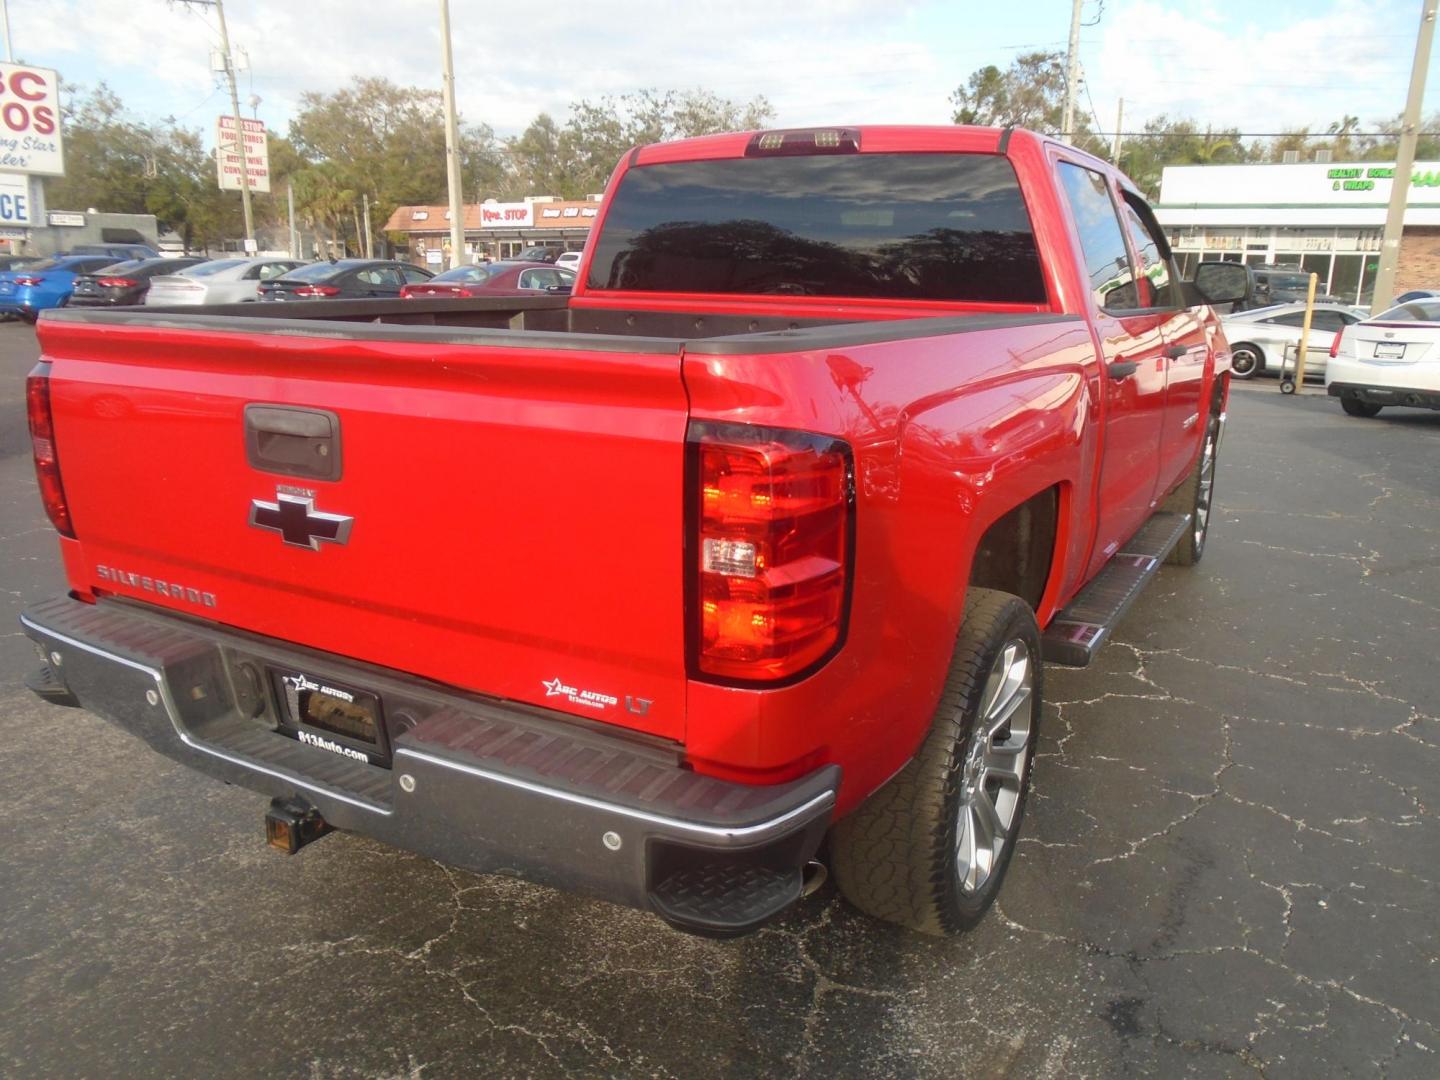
31, 289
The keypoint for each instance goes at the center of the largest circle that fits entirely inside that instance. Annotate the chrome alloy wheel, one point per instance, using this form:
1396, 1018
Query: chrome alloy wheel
1205, 488
993, 766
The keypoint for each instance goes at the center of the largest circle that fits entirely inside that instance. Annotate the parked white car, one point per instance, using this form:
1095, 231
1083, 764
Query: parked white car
1390, 359
570, 260
1258, 338
220, 281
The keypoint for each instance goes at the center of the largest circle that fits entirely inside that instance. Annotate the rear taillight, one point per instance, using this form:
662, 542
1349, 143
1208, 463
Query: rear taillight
29, 280
772, 529
42, 442
116, 282
317, 290
1335, 343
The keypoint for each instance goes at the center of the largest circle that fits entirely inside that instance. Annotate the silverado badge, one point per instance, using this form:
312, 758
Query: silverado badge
294, 517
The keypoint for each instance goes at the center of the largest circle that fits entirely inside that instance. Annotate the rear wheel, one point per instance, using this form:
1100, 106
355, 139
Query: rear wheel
1246, 361
1196, 498
1353, 406
930, 849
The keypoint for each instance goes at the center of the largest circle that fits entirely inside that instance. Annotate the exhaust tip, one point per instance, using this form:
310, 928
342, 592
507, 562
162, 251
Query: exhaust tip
812, 877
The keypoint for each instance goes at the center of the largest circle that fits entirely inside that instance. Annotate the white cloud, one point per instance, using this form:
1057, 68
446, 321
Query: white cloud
817, 61
1219, 67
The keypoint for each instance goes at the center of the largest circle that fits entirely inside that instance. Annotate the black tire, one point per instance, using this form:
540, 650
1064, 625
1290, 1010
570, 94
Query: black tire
1246, 360
1196, 497
898, 856
30, 316
1353, 406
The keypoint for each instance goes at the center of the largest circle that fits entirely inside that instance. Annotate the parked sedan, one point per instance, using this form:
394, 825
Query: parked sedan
344, 279
1258, 338
220, 281
493, 279
125, 283
47, 284
1392, 358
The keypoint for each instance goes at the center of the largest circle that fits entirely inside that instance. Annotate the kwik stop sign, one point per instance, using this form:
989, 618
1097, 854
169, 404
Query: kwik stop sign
30, 121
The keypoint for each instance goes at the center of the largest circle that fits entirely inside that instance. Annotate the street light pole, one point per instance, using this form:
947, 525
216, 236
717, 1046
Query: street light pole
1404, 163
5, 11
452, 142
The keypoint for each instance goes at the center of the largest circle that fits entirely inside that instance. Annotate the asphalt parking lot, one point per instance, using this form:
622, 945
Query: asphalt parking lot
1231, 863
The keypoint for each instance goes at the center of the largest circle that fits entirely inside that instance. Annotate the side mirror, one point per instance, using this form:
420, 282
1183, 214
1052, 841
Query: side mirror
1221, 282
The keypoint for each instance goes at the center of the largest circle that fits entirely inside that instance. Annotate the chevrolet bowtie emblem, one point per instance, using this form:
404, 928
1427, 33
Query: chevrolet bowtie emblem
297, 521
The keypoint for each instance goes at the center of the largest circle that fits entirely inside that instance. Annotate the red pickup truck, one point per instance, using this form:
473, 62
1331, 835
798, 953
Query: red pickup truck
754, 543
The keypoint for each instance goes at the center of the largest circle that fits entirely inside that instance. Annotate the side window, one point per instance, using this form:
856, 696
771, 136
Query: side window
1154, 281
1290, 318
370, 276
414, 276
1329, 321
269, 271
532, 279
1107, 262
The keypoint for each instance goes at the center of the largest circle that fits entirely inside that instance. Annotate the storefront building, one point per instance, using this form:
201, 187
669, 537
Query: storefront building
1325, 217
493, 230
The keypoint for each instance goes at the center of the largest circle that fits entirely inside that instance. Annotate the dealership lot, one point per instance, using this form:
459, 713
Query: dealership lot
1230, 862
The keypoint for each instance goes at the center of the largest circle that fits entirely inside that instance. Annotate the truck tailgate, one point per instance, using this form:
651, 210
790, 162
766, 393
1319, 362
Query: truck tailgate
516, 511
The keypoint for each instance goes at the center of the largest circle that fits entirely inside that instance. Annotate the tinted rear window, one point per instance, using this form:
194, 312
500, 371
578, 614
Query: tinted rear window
1415, 311
214, 266
891, 226
316, 271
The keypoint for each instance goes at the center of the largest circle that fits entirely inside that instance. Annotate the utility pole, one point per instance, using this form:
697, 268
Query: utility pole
1119, 127
5, 11
219, 6
1072, 75
1404, 164
294, 239
239, 121
452, 143
369, 240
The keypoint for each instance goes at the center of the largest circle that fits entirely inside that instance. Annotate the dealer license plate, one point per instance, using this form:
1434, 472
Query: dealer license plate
1389, 350
331, 716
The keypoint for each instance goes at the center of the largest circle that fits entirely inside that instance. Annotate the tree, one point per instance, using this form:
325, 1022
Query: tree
1177, 142
118, 163
577, 159
1030, 93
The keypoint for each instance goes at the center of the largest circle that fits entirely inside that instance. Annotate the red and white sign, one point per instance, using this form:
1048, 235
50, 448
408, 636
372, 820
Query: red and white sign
227, 155
507, 215
30, 121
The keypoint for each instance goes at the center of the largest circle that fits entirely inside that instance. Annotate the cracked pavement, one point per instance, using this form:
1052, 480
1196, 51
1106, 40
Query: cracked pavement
1231, 862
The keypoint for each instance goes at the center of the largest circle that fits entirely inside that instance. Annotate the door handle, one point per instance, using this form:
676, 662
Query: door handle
293, 441
1176, 352
1122, 369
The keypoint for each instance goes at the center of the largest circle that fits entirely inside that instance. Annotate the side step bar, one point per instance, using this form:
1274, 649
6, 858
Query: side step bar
1075, 635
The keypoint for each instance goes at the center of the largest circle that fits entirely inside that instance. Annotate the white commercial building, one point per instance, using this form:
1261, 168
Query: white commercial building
1326, 217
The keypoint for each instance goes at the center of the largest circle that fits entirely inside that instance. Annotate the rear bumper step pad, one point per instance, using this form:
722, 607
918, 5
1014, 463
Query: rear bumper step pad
1076, 634
484, 785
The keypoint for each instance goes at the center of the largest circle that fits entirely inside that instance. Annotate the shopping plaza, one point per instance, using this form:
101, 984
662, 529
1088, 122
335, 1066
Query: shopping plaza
1325, 217
493, 230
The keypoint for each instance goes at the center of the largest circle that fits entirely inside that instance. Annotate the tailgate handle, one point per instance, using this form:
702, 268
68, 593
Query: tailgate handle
293, 441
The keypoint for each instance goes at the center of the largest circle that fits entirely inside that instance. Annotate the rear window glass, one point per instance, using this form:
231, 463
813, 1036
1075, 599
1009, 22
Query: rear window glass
215, 266
465, 273
314, 272
890, 226
1415, 311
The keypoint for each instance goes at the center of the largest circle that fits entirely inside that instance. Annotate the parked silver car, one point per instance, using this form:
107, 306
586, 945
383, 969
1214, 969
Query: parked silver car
220, 281
1258, 338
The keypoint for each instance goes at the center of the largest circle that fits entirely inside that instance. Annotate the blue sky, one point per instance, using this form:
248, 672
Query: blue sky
1258, 66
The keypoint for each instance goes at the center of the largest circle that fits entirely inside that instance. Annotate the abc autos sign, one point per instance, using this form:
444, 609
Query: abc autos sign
30, 121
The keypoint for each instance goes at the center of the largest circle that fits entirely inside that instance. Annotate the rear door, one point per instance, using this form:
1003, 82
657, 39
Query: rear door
512, 516
1132, 346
